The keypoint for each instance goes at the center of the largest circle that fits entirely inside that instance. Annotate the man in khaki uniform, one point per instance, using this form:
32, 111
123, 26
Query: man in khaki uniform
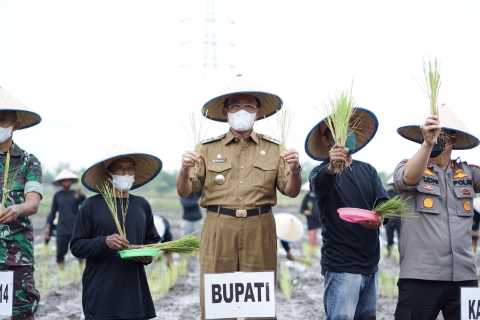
238, 174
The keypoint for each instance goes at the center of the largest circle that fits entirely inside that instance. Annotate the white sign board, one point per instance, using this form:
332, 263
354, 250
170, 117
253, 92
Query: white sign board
239, 295
6, 293
470, 303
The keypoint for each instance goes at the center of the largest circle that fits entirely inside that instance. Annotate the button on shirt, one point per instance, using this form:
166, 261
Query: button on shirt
240, 173
435, 244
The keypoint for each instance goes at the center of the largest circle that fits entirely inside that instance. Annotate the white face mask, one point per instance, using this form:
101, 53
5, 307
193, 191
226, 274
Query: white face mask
241, 120
5, 134
123, 183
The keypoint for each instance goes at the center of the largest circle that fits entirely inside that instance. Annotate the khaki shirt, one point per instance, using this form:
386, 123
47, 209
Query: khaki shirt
436, 244
240, 173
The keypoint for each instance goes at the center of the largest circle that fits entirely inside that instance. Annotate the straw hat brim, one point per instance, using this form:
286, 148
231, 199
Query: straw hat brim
463, 140
366, 128
269, 105
25, 118
147, 167
58, 182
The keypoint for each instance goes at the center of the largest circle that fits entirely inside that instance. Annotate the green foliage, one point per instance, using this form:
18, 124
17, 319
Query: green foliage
395, 207
286, 282
431, 70
186, 245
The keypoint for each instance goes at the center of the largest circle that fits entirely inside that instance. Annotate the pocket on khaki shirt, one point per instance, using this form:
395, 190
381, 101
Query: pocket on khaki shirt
218, 175
265, 174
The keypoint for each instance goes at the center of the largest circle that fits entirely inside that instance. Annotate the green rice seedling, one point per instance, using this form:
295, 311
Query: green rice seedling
284, 120
108, 193
185, 245
431, 70
286, 282
395, 207
8, 180
339, 122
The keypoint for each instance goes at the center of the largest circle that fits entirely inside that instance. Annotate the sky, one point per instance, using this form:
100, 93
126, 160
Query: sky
112, 75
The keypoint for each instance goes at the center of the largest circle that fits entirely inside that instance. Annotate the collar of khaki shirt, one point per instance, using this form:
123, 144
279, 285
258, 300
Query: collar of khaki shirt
232, 137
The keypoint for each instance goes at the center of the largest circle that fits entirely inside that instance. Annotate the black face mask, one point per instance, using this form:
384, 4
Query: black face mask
438, 148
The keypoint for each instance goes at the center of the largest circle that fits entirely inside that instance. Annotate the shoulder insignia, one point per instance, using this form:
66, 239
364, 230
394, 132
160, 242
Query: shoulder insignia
459, 174
220, 137
270, 139
428, 172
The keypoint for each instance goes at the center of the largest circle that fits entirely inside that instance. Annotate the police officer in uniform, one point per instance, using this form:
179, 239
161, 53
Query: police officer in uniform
238, 174
435, 247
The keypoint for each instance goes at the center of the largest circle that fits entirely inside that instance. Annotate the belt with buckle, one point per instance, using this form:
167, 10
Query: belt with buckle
240, 213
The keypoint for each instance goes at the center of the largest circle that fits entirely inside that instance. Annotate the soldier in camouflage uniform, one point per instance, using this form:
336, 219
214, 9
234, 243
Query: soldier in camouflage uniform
21, 195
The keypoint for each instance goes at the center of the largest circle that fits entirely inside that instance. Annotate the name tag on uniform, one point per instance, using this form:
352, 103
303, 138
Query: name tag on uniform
218, 161
239, 295
470, 303
6, 293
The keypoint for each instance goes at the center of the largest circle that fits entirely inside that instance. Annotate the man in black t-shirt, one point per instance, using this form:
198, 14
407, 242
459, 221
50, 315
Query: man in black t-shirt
350, 252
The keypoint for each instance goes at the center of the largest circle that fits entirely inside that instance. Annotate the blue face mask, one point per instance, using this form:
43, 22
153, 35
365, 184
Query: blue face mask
351, 142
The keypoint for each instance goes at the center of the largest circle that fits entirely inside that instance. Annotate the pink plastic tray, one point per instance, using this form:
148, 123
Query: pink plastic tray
355, 215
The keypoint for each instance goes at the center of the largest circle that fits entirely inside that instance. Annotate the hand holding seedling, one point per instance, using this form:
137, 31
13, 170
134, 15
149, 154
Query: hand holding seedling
9, 215
189, 159
431, 130
116, 242
372, 225
291, 157
338, 153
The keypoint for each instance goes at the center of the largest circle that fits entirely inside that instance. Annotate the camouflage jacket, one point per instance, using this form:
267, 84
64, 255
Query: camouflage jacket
25, 175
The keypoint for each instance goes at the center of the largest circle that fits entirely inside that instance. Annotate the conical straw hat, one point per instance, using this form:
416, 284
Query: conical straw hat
449, 121
159, 225
65, 174
365, 129
25, 118
147, 167
269, 103
289, 227
306, 186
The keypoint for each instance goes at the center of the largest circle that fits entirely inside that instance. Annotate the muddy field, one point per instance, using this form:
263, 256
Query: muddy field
61, 291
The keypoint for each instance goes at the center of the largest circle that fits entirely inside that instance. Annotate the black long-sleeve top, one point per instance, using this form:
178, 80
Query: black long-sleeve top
66, 203
113, 288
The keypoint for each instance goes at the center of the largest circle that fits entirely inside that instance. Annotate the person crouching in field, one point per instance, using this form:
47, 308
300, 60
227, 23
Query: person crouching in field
114, 288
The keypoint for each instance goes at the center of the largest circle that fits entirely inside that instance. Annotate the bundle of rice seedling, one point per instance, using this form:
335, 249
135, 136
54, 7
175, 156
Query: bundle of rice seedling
339, 122
197, 127
431, 71
8, 180
185, 245
198, 132
108, 193
5, 191
396, 207
284, 119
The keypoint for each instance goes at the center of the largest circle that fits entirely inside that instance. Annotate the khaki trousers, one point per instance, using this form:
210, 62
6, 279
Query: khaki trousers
232, 244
